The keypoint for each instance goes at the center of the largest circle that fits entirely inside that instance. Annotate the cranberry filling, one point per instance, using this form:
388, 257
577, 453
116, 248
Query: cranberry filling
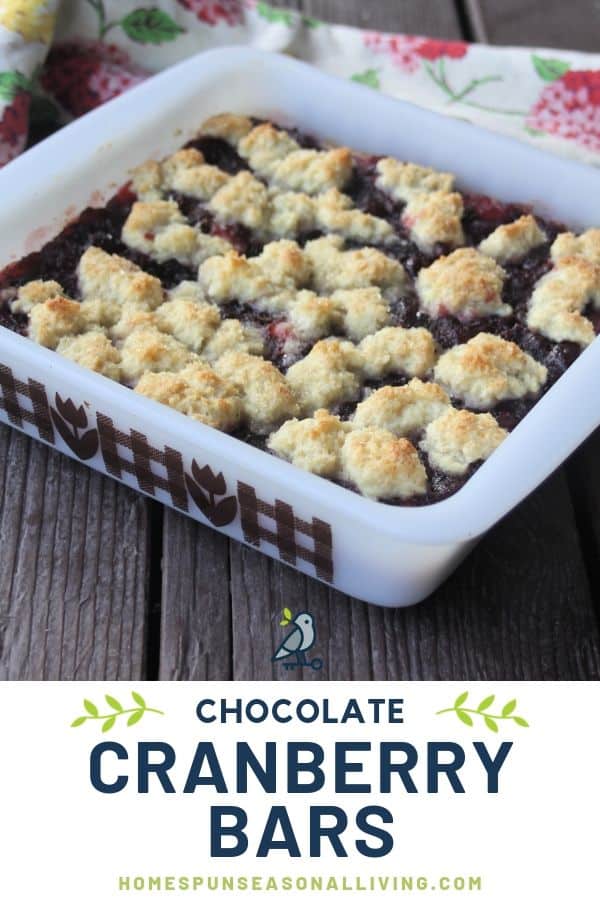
483, 215
101, 227
365, 195
241, 238
594, 316
13, 321
218, 152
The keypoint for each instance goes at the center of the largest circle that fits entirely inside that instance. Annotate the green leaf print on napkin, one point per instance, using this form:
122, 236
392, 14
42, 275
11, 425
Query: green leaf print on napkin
370, 77
150, 26
11, 83
268, 12
549, 69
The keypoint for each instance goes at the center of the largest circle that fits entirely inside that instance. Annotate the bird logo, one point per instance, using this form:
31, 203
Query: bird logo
297, 642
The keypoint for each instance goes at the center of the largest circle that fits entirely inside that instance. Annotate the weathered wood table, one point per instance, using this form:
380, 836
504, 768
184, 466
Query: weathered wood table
97, 582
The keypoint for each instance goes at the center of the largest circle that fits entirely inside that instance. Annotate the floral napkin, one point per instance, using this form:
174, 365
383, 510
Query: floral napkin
59, 60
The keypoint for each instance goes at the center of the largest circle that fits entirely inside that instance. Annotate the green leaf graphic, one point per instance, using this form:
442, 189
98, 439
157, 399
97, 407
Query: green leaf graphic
464, 717
549, 69
310, 22
466, 714
117, 710
112, 701
460, 699
150, 26
370, 77
275, 15
11, 83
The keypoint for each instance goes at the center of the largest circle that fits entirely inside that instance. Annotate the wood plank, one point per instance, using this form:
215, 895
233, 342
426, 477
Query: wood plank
261, 588
474, 22
518, 608
583, 472
411, 16
196, 610
574, 25
72, 569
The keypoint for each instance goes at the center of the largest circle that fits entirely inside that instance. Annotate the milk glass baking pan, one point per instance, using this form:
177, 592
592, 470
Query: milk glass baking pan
391, 556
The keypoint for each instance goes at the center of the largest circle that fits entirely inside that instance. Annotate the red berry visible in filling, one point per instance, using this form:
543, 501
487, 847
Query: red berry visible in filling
284, 346
485, 208
237, 235
280, 331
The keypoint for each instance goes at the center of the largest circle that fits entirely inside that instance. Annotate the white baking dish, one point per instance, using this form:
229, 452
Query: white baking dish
386, 555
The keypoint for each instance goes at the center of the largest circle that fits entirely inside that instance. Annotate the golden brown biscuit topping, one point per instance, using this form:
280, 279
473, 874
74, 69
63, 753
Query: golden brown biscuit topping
466, 284
560, 298
513, 241
382, 466
459, 438
488, 369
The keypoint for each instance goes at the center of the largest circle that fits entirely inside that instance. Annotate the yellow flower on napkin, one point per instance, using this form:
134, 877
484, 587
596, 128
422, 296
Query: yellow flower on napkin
34, 19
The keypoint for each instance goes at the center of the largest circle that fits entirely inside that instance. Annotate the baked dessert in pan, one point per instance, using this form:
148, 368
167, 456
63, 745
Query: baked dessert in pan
358, 316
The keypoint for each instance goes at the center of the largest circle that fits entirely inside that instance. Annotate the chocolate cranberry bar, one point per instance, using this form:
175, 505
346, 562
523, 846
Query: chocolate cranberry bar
358, 316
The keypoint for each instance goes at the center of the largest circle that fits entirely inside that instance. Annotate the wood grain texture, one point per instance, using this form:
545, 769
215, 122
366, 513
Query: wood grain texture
553, 23
196, 612
518, 608
72, 568
436, 18
583, 471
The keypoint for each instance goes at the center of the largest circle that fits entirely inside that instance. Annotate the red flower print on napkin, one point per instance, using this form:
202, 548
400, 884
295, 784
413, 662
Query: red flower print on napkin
569, 107
402, 48
82, 75
14, 121
407, 51
213, 12
432, 49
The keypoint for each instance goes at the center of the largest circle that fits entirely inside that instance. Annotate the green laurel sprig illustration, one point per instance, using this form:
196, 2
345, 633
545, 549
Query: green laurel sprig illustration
465, 713
117, 710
